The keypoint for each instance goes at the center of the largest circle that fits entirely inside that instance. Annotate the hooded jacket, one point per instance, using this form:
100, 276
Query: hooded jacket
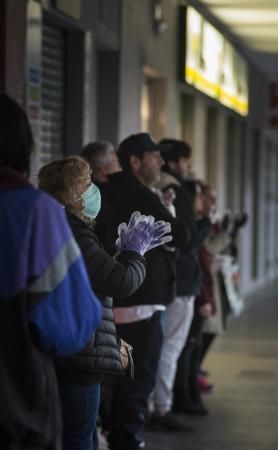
47, 308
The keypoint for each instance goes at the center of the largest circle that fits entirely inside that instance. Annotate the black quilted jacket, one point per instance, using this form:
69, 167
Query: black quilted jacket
110, 277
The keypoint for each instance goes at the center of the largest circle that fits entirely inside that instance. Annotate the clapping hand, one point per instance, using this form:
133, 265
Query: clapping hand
142, 233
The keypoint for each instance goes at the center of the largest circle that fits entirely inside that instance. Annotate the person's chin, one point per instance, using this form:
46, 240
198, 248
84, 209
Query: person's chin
157, 178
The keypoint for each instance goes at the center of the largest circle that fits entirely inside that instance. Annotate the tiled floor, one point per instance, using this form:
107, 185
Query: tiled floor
244, 367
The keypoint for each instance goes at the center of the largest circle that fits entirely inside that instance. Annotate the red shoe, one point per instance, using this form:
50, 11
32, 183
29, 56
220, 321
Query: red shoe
204, 386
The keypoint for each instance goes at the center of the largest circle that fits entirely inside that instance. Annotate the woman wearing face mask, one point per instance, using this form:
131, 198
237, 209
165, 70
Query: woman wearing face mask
79, 376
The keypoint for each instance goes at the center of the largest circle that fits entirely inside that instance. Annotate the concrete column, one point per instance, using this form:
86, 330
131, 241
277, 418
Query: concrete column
220, 161
90, 90
108, 95
237, 165
199, 136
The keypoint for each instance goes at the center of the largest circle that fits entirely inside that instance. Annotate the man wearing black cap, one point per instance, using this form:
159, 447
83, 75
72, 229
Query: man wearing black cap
138, 317
177, 158
179, 314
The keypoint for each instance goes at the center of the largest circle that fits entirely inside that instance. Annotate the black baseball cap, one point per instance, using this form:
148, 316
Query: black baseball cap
175, 149
137, 144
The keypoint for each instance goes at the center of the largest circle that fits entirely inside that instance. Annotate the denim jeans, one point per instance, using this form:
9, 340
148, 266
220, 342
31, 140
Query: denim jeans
80, 409
130, 396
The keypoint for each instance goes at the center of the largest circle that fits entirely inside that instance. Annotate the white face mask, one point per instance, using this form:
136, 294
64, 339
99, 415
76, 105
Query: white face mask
92, 201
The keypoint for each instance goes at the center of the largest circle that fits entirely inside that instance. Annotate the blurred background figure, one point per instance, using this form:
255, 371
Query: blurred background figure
177, 157
222, 245
188, 205
102, 159
186, 394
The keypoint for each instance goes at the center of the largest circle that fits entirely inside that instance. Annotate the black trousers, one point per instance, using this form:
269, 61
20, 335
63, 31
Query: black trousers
186, 390
130, 397
207, 340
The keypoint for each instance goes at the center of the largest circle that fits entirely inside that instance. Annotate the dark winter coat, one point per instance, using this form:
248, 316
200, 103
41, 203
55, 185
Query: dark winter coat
126, 194
207, 291
110, 277
188, 268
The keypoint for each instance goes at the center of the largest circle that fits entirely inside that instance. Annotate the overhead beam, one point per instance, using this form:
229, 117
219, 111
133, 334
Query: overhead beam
263, 32
263, 4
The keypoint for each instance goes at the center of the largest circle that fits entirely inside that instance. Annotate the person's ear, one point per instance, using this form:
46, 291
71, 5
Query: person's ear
135, 162
102, 170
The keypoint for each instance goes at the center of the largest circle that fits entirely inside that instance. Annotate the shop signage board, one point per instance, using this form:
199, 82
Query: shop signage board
212, 65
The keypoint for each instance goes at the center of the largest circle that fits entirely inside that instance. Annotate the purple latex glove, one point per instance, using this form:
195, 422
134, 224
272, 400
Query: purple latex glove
160, 229
142, 233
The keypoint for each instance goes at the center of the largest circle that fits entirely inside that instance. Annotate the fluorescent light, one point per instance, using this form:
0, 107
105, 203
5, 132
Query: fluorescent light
234, 16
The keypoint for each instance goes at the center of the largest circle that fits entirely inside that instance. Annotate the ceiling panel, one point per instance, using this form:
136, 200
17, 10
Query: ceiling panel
242, 3
254, 23
250, 20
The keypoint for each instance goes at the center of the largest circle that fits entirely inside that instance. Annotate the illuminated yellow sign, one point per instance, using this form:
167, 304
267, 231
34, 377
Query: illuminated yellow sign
213, 65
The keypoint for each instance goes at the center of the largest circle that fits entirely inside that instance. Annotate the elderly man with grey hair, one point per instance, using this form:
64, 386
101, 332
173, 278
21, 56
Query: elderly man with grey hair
102, 158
